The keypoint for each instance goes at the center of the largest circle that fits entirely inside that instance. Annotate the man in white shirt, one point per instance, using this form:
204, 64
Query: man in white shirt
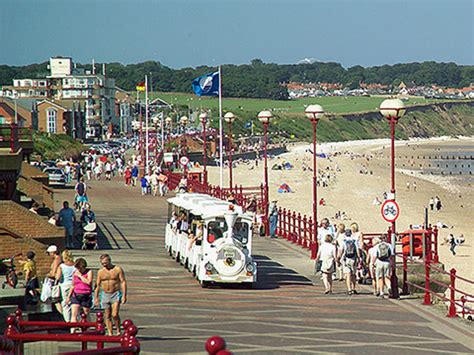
325, 229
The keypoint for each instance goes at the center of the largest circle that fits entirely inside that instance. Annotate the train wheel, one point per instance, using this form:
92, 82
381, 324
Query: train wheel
204, 284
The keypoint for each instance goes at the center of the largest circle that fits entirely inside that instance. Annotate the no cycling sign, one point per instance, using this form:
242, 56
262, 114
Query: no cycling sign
390, 211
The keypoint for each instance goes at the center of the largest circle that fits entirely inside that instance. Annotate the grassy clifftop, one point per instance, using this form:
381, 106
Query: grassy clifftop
56, 146
420, 122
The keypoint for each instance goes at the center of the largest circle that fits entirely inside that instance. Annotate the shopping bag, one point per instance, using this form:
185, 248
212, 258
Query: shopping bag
46, 290
55, 294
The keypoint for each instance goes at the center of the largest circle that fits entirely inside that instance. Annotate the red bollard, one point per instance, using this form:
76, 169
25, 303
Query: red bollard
100, 328
215, 344
463, 311
83, 328
452, 300
427, 298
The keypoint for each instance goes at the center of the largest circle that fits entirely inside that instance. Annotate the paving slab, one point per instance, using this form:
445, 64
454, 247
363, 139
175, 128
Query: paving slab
286, 312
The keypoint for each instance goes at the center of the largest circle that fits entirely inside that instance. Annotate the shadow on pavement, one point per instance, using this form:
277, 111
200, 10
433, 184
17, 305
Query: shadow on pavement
272, 274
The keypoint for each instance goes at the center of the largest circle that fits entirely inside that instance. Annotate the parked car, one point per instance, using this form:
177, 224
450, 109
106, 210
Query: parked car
56, 176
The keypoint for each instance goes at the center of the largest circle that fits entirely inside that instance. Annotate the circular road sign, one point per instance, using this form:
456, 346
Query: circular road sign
390, 211
184, 160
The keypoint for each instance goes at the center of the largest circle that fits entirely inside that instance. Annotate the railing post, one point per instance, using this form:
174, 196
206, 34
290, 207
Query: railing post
293, 234
463, 302
305, 230
452, 300
427, 297
299, 239
280, 216
435, 235
284, 223
312, 238
405, 272
289, 225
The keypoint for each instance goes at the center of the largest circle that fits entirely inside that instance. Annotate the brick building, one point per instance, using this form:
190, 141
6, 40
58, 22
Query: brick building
22, 230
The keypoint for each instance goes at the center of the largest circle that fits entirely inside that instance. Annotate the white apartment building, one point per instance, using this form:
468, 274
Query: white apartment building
66, 82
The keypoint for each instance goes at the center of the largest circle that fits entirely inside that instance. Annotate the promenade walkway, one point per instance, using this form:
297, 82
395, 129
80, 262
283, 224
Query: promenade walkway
286, 313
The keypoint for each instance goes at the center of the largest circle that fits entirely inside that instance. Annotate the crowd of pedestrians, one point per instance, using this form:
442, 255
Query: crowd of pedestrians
343, 255
70, 288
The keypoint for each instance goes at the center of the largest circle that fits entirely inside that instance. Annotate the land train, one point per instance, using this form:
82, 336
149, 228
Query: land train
211, 238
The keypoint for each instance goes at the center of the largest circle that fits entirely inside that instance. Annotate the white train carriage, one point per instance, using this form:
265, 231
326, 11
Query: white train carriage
213, 239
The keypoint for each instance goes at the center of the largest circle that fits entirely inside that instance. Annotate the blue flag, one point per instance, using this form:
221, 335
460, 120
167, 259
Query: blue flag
207, 85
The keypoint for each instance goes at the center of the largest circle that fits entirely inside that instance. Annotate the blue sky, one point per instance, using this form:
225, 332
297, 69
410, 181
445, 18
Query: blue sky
181, 33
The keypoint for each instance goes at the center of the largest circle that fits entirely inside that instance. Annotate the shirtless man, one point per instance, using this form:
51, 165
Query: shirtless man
111, 279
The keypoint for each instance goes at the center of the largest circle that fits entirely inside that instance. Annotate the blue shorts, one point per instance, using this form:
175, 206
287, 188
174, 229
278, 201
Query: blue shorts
81, 199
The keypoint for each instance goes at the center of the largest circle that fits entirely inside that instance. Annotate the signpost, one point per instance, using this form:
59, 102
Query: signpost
184, 161
390, 211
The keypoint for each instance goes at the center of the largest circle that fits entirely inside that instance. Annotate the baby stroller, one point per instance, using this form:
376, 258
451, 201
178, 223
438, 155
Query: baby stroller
89, 238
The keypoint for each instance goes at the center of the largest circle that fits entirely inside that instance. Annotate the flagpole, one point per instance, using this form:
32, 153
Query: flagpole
146, 124
162, 135
221, 157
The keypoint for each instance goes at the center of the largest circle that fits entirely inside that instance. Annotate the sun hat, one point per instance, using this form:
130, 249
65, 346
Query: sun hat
52, 249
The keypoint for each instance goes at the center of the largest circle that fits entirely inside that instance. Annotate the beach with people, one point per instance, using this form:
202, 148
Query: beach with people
354, 176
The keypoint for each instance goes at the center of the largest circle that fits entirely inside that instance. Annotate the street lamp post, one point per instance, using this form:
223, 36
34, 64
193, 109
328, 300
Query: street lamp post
203, 119
393, 110
229, 117
265, 117
314, 113
184, 121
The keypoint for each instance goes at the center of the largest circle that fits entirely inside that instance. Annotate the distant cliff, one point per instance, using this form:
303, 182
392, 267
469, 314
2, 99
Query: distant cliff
454, 118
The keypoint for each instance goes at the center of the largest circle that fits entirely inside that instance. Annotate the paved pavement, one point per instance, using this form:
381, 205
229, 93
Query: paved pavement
286, 313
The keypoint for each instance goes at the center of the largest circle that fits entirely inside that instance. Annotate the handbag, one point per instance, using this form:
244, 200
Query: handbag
317, 267
55, 294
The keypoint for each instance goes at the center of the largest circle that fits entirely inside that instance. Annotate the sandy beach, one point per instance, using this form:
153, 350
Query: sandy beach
358, 172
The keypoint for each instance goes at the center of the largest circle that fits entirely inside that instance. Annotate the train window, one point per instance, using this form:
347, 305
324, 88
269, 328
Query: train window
215, 230
241, 232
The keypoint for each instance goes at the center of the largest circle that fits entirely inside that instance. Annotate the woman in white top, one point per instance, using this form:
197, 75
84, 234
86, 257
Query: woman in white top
64, 278
327, 256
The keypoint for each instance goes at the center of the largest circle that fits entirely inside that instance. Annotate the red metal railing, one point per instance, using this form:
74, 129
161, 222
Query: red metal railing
20, 331
13, 134
297, 229
456, 305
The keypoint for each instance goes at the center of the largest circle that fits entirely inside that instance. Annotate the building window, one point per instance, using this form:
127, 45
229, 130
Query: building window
52, 120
